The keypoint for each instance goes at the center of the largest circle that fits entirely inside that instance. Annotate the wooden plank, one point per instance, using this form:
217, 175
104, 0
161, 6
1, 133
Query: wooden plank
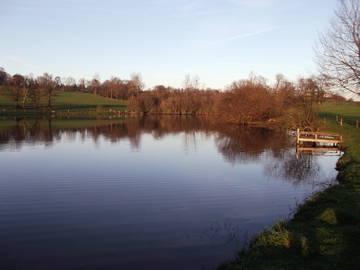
319, 133
322, 149
321, 138
318, 140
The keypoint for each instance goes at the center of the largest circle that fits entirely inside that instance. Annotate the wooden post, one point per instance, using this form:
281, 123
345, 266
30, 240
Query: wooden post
357, 123
298, 136
341, 121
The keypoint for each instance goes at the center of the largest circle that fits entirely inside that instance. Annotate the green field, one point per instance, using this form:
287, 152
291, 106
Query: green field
64, 104
350, 112
6, 99
325, 231
62, 99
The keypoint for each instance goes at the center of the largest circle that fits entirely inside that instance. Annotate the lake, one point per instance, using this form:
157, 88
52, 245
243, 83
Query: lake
152, 193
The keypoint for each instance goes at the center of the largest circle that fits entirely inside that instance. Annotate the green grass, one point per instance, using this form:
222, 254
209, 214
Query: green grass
6, 99
325, 231
65, 104
349, 112
63, 99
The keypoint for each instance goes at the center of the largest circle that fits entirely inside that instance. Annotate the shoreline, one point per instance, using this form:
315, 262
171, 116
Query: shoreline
111, 113
324, 232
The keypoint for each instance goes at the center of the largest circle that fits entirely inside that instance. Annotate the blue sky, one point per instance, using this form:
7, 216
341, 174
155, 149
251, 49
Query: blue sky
218, 40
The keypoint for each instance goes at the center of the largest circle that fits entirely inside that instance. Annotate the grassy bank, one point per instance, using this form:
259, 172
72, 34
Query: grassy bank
325, 231
65, 104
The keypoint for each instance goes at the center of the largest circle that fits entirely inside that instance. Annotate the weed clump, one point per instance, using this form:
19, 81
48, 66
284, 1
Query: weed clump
328, 216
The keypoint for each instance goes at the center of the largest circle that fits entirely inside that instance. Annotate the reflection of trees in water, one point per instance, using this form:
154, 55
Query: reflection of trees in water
240, 144
303, 168
29, 132
236, 143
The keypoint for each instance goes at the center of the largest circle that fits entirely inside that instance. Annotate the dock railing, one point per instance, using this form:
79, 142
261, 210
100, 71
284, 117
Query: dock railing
318, 137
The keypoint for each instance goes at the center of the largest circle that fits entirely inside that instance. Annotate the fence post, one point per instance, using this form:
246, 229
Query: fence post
341, 121
298, 136
357, 123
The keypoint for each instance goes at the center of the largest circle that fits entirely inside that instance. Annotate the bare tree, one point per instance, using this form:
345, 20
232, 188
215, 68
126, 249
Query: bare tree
3, 76
46, 83
135, 85
57, 82
191, 83
338, 52
20, 92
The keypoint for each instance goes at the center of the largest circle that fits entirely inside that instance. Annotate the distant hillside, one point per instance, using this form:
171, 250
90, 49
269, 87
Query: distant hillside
65, 104
66, 98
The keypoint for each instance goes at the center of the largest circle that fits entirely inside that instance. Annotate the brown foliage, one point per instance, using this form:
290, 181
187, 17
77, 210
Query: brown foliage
243, 102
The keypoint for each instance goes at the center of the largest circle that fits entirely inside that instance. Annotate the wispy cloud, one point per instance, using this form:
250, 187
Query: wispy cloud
250, 34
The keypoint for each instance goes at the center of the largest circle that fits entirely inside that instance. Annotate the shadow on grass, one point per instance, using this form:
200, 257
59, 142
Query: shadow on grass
324, 234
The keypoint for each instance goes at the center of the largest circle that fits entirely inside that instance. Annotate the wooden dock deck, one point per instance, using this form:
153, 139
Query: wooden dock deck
319, 149
318, 137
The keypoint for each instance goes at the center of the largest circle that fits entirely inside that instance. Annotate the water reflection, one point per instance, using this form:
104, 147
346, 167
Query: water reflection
151, 193
231, 139
237, 144
294, 168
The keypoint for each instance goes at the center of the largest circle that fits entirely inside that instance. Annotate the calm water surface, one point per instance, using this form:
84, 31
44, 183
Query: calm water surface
170, 193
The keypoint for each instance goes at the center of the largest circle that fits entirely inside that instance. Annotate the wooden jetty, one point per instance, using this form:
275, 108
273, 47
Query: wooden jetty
318, 137
318, 151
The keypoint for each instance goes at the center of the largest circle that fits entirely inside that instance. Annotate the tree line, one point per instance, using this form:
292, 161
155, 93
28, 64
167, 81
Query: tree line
30, 90
244, 101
